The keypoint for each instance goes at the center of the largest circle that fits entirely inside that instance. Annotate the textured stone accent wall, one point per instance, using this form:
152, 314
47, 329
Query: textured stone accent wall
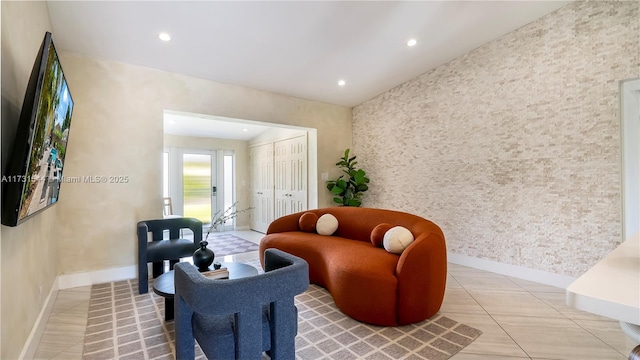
514, 148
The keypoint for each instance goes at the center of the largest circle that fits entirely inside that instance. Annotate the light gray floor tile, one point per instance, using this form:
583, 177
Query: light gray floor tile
452, 283
467, 356
63, 335
513, 303
493, 341
558, 302
50, 351
536, 287
458, 300
486, 281
70, 318
73, 353
551, 338
610, 332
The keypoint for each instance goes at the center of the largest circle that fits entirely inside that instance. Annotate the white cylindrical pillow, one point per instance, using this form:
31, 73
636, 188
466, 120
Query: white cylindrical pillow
397, 239
327, 224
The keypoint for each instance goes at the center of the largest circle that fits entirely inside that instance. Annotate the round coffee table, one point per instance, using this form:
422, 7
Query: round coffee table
164, 285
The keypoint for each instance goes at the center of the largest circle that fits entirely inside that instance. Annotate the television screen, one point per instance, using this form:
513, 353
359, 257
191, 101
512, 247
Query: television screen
34, 171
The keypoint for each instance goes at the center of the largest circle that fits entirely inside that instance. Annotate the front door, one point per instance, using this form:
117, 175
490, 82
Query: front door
199, 190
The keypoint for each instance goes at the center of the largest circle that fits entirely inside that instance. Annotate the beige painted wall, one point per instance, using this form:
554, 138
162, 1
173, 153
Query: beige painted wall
117, 130
28, 264
514, 148
241, 150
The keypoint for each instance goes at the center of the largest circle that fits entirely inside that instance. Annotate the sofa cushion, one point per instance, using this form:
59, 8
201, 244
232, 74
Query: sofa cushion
308, 222
397, 239
327, 224
377, 234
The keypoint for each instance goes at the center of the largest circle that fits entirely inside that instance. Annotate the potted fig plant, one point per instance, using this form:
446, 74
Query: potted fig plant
348, 190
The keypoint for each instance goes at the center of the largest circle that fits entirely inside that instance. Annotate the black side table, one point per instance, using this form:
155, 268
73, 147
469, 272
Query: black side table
164, 285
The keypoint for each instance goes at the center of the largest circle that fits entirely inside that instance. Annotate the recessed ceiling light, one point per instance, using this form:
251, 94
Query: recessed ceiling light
412, 42
245, 129
342, 83
164, 37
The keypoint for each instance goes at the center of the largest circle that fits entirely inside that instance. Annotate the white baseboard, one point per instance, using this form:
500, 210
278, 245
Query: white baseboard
520, 272
96, 277
31, 345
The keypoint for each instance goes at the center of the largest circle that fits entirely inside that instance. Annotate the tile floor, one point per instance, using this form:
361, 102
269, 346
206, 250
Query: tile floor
519, 319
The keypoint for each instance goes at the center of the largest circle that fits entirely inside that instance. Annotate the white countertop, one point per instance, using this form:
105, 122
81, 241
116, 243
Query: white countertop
612, 287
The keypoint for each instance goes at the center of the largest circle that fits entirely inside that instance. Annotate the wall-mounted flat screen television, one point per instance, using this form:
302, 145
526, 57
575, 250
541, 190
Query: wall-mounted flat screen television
33, 177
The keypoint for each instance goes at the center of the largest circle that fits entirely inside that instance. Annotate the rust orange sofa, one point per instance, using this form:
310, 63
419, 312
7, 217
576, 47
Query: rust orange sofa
368, 283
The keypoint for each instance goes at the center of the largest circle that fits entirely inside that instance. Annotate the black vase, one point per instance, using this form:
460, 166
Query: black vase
203, 257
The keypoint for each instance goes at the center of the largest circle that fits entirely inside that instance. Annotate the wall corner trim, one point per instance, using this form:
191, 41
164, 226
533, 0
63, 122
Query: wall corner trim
520, 272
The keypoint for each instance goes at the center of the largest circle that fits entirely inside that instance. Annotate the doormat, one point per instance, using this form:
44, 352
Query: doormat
125, 325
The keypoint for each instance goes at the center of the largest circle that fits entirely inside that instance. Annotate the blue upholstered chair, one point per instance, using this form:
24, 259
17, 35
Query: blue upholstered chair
240, 318
160, 249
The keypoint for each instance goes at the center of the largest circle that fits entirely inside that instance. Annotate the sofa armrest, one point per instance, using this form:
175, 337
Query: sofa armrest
422, 276
285, 223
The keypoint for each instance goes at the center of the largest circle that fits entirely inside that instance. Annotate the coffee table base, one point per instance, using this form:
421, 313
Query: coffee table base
168, 309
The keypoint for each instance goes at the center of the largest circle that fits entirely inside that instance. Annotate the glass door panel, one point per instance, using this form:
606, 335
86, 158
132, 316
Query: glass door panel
227, 183
197, 186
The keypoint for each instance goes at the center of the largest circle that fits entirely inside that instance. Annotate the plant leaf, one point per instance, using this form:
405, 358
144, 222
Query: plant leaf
353, 202
363, 187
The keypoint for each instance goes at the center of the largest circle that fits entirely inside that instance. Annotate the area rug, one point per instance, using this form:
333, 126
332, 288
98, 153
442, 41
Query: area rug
125, 325
226, 244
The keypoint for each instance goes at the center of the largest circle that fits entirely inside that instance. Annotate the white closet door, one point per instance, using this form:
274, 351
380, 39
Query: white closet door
261, 159
290, 176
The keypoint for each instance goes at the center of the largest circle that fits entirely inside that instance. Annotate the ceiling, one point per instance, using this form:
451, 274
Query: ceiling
296, 48
211, 126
